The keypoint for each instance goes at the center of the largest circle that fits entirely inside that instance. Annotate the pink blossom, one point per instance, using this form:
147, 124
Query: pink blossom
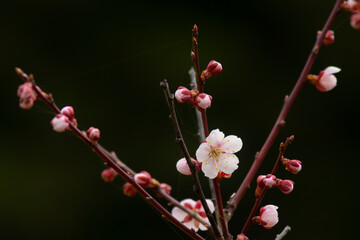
129, 190
242, 237
108, 175
269, 216
27, 95
187, 219
355, 21
217, 154
212, 69
183, 94
354, 5
286, 186
184, 168
143, 179
326, 79
203, 101
167, 188
68, 111
60, 123
293, 166
93, 134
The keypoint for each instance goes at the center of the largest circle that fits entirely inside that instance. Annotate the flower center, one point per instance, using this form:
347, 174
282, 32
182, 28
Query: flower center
215, 152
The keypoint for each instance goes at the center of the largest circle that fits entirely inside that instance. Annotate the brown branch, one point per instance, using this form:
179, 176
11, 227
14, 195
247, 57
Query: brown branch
180, 140
47, 98
280, 122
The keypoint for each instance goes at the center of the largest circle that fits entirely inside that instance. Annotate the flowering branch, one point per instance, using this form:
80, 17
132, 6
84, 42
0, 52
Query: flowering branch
280, 122
48, 99
180, 140
282, 150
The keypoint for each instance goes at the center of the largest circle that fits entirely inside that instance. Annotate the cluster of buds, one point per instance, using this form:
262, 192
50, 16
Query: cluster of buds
212, 69
268, 216
293, 166
183, 167
353, 6
326, 80
270, 181
60, 122
27, 95
199, 100
329, 37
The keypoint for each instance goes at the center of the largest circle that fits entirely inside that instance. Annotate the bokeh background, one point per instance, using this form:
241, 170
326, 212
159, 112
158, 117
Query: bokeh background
106, 59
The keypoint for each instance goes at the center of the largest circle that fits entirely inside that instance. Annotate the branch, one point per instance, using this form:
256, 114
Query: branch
283, 233
48, 99
280, 122
180, 140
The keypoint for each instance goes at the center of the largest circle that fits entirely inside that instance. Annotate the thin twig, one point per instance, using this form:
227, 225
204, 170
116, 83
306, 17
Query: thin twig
281, 235
47, 98
180, 140
280, 122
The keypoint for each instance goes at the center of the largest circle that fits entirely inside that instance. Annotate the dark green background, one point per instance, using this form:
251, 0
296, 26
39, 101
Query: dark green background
106, 59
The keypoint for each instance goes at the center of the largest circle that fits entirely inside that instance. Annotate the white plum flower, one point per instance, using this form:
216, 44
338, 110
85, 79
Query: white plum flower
187, 219
327, 80
269, 216
217, 154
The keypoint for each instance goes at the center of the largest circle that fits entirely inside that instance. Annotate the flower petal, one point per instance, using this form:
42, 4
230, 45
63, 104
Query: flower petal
231, 144
202, 153
178, 214
210, 168
228, 163
215, 137
210, 205
326, 83
202, 227
187, 202
331, 70
192, 225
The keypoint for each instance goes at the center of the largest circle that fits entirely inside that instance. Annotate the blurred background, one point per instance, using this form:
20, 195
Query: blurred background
106, 59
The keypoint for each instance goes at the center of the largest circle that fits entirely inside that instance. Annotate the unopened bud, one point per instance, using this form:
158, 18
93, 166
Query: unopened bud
27, 95
329, 37
183, 167
143, 179
68, 111
108, 175
286, 186
293, 166
354, 5
212, 69
355, 21
242, 237
266, 181
60, 123
129, 190
326, 80
203, 101
269, 216
166, 188
183, 94
93, 134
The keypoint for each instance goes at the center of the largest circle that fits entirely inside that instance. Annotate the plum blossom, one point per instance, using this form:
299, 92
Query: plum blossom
269, 216
60, 123
203, 101
187, 219
27, 95
326, 79
217, 154
184, 168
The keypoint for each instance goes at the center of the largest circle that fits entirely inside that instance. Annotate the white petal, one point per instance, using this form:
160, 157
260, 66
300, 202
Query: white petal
231, 144
331, 70
210, 205
202, 153
191, 225
188, 201
326, 83
228, 163
202, 227
178, 213
215, 137
210, 168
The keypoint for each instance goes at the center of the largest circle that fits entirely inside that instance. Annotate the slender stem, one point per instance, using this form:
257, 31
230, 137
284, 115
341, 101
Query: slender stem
111, 163
180, 140
220, 208
281, 235
282, 149
280, 122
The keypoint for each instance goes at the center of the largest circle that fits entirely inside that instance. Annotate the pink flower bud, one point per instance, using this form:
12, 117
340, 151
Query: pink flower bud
27, 95
269, 216
108, 175
203, 101
183, 94
68, 111
286, 186
60, 123
212, 69
166, 188
93, 134
293, 166
329, 37
326, 80
143, 179
184, 168
268, 181
129, 190
355, 21
242, 237
354, 5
